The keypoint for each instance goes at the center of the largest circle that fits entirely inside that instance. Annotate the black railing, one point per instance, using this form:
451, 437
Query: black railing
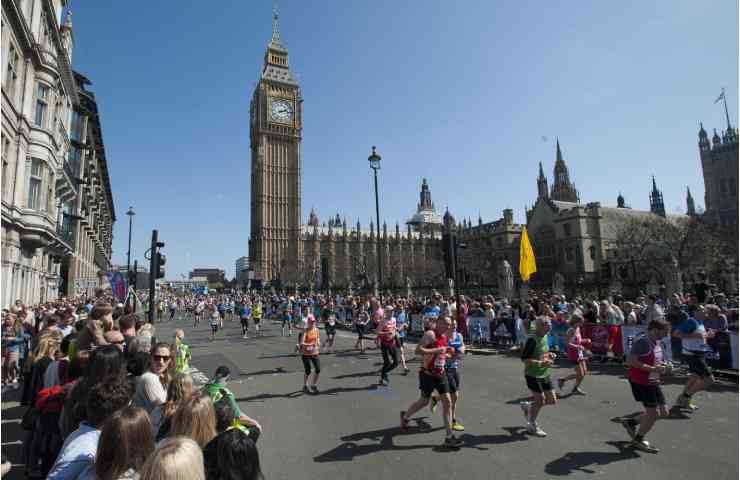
65, 230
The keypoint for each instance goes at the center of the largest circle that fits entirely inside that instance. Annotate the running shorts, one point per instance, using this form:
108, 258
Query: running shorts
697, 365
538, 385
453, 379
214, 328
649, 395
245, 321
331, 330
428, 383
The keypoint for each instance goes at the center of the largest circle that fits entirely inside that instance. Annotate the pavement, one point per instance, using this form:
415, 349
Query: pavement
350, 429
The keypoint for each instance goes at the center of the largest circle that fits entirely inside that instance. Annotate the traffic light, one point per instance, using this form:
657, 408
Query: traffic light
159, 265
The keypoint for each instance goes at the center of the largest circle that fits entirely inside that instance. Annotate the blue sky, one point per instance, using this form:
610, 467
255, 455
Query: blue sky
471, 95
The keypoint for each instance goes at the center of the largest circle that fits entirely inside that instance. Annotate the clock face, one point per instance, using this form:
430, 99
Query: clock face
281, 111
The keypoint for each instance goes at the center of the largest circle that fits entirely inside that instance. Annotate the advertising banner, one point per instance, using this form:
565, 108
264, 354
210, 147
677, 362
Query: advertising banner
480, 329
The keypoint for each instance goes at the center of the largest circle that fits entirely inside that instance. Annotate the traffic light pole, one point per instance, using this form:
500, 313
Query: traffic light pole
152, 274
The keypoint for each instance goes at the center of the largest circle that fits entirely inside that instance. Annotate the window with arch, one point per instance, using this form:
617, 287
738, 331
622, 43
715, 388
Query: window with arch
592, 252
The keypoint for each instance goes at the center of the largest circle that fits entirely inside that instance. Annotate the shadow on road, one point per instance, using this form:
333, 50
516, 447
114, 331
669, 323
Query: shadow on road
269, 396
337, 390
580, 461
347, 451
271, 371
373, 373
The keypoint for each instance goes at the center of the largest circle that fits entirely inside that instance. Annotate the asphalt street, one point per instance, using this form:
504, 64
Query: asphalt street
350, 429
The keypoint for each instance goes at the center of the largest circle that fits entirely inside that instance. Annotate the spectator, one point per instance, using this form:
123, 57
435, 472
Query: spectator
125, 442
127, 326
58, 372
11, 346
101, 321
104, 362
176, 458
39, 361
151, 387
195, 419
653, 311
178, 392
715, 320
232, 455
80, 448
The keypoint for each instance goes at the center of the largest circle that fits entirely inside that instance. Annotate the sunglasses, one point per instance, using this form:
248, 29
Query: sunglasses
162, 358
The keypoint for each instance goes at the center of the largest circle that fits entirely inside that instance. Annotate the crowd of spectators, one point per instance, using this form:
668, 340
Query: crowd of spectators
103, 400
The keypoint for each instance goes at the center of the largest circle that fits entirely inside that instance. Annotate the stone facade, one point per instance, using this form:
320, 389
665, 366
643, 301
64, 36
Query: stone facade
275, 136
719, 165
58, 213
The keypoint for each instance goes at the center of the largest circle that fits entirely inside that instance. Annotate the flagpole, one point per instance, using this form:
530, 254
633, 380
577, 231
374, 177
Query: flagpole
727, 113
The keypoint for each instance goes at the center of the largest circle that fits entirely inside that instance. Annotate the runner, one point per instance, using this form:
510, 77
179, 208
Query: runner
302, 326
200, 308
215, 321
182, 353
537, 362
433, 348
360, 323
310, 344
257, 317
645, 362
287, 322
576, 345
173, 308
455, 353
330, 327
244, 314
401, 326
386, 340
694, 345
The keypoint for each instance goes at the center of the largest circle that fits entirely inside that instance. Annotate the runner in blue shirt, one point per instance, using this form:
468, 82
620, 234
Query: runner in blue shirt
401, 326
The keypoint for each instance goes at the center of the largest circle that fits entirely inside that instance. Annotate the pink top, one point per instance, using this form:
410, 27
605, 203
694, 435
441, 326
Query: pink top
575, 347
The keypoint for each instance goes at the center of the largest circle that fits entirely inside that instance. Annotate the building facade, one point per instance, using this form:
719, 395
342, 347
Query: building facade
275, 139
719, 166
213, 275
54, 190
241, 269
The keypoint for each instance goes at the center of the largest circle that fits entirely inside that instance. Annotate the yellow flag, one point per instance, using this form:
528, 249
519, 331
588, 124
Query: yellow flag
527, 265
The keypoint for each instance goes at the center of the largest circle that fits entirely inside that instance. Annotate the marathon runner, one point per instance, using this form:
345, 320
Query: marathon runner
360, 324
694, 345
386, 340
330, 327
645, 362
200, 308
433, 348
310, 344
537, 362
576, 345
244, 314
257, 317
215, 321
287, 319
401, 327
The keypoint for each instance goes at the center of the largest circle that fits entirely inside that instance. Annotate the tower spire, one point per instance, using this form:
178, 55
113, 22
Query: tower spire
690, 206
275, 25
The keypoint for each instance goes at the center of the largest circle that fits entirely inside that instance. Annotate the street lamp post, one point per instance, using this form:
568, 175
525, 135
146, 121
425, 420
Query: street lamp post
130, 214
374, 160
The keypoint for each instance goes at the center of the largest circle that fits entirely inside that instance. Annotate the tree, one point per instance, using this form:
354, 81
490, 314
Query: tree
644, 247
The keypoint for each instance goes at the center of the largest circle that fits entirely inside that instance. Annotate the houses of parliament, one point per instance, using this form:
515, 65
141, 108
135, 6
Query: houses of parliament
570, 237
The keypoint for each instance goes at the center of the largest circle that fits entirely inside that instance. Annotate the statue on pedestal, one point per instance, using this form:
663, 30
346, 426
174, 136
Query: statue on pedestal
451, 287
558, 284
505, 280
408, 288
672, 275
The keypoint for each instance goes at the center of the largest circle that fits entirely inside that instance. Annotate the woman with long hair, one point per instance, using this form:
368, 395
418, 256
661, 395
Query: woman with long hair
126, 441
104, 362
176, 458
151, 387
195, 419
178, 392
39, 361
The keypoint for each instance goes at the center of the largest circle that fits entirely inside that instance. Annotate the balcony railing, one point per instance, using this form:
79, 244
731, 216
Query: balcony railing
65, 230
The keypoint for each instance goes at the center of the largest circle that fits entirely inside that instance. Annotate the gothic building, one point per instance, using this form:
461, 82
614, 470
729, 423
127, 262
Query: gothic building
572, 238
719, 165
275, 138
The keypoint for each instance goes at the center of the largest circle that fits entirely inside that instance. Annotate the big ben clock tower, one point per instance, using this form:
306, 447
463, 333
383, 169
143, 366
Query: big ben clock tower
275, 138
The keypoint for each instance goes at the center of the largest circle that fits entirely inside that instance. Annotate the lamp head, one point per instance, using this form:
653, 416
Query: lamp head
374, 160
